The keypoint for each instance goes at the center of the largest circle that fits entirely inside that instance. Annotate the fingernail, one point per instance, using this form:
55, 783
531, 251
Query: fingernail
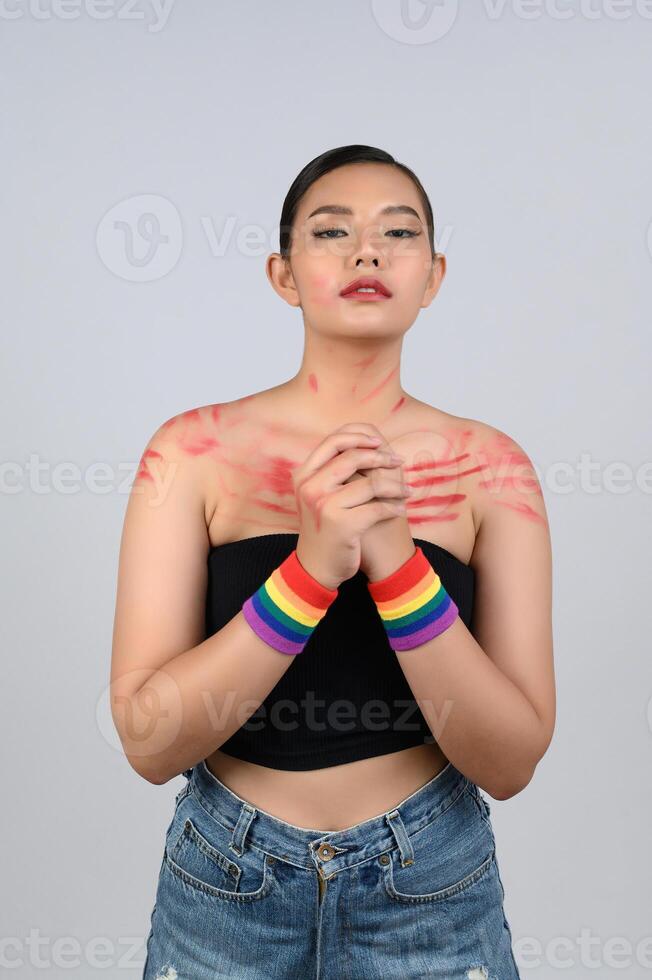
396, 458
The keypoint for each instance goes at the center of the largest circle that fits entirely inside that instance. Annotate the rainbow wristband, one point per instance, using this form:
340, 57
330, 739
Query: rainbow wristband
287, 607
413, 604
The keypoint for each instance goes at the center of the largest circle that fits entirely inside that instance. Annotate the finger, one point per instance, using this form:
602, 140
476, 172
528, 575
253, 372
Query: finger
355, 493
367, 488
390, 477
370, 514
329, 448
339, 470
366, 427
363, 507
369, 429
386, 482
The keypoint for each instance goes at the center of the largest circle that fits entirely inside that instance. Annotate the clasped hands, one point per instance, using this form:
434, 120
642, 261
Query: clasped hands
388, 544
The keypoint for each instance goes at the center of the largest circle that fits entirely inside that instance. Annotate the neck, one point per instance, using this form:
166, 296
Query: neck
348, 381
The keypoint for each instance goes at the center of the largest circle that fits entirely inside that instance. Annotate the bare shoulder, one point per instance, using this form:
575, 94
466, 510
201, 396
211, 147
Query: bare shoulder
194, 442
495, 472
506, 476
194, 433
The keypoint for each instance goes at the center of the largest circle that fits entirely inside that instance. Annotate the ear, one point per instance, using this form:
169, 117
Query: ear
279, 273
435, 279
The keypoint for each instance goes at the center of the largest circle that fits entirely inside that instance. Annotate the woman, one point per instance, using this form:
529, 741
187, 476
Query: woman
335, 644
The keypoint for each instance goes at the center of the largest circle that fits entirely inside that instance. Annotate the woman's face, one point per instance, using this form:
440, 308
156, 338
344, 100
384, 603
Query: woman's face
363, 238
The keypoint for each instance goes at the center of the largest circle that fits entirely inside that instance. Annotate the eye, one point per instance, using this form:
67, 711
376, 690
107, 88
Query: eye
318, 232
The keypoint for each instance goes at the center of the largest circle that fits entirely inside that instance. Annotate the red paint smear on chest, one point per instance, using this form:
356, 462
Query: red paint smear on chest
430, 481
312, 381
277, 476
437, 500
513, 483
436, 519
432, 464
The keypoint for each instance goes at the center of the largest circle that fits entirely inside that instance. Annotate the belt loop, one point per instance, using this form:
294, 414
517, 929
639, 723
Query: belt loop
398, 829
247, 814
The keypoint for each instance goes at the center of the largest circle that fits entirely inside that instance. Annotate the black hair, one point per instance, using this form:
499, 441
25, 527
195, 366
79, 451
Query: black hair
330, 160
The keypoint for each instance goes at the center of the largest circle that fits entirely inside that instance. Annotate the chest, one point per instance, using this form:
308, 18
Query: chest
252, 487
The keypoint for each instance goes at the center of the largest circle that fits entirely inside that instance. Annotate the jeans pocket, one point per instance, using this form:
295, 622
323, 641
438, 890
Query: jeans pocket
449, 856
197, 853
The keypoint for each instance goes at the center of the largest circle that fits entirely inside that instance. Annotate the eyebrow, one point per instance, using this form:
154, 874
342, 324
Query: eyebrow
340, 209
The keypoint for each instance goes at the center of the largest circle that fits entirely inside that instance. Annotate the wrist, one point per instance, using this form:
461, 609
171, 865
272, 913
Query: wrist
387, 566
315, 572
413, 603
288, 606
320, 577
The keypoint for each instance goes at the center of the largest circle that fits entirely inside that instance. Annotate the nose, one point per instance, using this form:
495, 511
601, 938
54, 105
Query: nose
368, 249
368, 252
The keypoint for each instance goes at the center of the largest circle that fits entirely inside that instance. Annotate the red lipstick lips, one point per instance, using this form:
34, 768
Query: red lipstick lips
372, 289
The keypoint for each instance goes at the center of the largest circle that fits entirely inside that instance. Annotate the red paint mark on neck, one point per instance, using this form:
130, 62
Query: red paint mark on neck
379, 387
312, 381
366, 361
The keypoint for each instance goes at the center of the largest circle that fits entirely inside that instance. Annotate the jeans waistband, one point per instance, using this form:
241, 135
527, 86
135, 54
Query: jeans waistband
327, 850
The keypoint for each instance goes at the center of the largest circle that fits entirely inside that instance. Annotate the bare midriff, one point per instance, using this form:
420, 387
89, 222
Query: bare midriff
333, 798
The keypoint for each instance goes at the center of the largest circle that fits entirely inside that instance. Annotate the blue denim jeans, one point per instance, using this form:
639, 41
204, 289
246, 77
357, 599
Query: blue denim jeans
414, 892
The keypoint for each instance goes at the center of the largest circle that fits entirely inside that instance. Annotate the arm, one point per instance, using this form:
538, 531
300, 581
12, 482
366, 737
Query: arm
489, 697
175, 696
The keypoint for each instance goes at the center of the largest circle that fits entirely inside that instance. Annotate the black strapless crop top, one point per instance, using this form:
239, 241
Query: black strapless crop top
344, 697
